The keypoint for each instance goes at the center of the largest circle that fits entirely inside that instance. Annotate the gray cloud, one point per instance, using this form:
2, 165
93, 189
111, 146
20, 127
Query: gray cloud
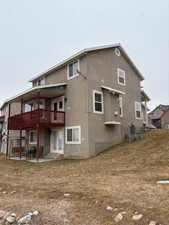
35, 35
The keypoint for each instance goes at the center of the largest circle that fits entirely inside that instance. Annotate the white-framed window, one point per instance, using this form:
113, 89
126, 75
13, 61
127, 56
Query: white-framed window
32, 137
73, 135
138, 112
121, 106
98, 102
40, 82
72, 69
121, 77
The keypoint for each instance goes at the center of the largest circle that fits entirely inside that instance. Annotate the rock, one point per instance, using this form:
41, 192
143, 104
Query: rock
12, 218
123, 213
115, 209
118, 218
2, 214
35, 213
109, 208
152, 222
66, 194
137, 217
25, 220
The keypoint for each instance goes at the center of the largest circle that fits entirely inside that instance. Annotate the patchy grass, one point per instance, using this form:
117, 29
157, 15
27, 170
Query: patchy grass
123, 177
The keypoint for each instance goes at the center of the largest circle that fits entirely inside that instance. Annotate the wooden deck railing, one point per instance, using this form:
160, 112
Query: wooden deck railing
39, 117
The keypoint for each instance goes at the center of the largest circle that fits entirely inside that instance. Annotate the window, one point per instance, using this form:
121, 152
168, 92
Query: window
121, 76
73, 135
40, 82
121, 106
32, 137
72, 70
138, 113
97, 102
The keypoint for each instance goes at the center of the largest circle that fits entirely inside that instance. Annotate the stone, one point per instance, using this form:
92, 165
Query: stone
2, 214
66, 194
11, 218
109, 208
152, 222
118, 218
24, 220
124, 213
35, 213
137, 217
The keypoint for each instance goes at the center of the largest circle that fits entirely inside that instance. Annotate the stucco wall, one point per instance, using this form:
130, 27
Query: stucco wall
102, 70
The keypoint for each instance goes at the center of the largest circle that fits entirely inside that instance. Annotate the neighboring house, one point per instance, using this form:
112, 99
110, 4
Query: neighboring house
159, 117
81, 106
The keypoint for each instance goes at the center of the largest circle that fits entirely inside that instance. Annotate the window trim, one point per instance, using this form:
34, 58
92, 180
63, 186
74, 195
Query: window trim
98, 92
121, 105
32, 143
73, 142
74, 75
138, 118
118, 76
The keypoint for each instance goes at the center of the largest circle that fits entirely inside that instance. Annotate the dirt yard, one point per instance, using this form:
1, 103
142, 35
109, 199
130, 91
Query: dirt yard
123, 177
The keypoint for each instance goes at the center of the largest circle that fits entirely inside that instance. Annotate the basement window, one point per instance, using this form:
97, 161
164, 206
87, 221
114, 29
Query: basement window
32, 137
73, 135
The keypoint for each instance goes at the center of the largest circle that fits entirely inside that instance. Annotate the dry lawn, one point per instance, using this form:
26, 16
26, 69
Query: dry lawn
123, 177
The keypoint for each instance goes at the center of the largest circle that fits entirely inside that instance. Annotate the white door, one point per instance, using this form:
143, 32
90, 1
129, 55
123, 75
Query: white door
57, 141
58, 104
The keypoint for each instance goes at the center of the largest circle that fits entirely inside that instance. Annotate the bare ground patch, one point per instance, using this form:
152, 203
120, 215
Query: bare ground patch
123, 177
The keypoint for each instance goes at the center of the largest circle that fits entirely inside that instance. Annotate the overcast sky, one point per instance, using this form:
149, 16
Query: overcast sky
36, 34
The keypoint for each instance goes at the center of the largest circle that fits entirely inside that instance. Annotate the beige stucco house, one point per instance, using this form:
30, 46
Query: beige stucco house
77, 108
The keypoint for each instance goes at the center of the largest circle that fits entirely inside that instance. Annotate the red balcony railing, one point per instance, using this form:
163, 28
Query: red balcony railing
39, 117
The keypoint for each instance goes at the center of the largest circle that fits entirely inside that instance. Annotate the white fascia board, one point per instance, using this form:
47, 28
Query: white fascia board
112, 123
33, 89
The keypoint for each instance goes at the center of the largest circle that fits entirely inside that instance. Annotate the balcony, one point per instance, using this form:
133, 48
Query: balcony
36, 118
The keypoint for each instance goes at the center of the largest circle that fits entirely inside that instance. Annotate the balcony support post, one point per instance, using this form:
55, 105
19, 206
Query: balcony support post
21, 130
7, 141
38, 129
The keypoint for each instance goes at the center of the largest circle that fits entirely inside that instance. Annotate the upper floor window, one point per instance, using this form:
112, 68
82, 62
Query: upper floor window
40, 82
97, 102
138, 113
121, 106
72, 69
121, 76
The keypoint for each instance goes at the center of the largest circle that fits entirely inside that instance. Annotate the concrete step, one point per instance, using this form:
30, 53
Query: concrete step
54, 156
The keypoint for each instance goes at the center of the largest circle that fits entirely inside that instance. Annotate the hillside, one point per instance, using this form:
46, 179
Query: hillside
123, 177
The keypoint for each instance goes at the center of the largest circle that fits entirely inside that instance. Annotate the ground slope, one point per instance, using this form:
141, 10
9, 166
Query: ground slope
123, 177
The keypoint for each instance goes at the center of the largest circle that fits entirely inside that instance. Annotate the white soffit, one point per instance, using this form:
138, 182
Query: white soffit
113, 90
112, 123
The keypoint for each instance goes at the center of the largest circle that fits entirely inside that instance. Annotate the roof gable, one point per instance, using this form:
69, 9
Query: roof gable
82, 53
